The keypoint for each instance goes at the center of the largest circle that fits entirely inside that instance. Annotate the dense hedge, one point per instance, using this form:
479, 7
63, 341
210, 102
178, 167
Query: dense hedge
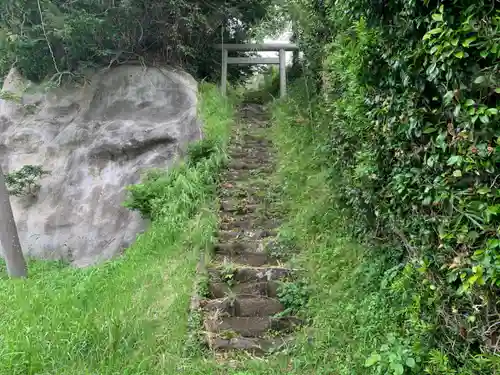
58, 38
404, 97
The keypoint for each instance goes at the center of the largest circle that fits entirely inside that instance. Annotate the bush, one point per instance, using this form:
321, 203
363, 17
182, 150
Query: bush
407, 121
59, 39
24, 181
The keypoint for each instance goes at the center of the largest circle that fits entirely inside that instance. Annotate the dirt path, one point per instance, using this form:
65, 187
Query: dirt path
240, 312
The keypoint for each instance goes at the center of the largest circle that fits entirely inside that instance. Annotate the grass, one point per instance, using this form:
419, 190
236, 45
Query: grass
365, 305
129, 315
351, 313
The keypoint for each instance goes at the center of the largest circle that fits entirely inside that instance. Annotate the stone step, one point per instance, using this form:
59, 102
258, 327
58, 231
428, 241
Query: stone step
235, 246
252, 326
247, 221
249, 274
242, 150
250, 258
242, 252
244, 165
250, 154
238, 206
242, 170
243, 306
238, 223
259, 288
254, 345
231, 235
256, 139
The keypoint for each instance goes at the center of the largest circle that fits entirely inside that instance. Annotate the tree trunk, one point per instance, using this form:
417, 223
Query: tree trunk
9, 240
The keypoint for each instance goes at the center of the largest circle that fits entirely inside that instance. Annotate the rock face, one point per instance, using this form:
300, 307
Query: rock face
94, 140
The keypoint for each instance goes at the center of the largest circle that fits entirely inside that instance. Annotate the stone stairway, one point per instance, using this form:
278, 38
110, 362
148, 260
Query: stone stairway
239, 311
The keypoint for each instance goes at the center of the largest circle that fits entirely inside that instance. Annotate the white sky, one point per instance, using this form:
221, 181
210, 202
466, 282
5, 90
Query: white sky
283, 38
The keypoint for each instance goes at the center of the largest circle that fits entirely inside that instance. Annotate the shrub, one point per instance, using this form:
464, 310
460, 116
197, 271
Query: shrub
24, 181
59, 39
407, 120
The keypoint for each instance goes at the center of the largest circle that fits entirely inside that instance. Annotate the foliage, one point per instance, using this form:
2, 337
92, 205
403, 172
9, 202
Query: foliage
200, 150
267, 84
171, 190
59, 39
371, 311
293, 296
24, 181
402, 101
129, 315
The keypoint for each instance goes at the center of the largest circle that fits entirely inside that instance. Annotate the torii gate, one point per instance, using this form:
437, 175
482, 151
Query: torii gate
279, 47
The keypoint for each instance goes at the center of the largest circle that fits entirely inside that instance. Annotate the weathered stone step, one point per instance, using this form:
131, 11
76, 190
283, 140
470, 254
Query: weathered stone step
231, 235
249, 154
238, 223
237, 169
248, 193
247, 223
251, 326
243, 306
254, 259
259, 288
244, 150
255, 345
238, 206
251, 138
249, 274
242, 252
244, 165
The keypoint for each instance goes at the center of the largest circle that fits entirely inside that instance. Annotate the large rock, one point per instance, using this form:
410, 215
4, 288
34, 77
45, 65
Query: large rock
94, 140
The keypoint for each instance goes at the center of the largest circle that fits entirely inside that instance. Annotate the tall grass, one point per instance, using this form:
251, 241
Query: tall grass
365, 304
129, 315
350, 312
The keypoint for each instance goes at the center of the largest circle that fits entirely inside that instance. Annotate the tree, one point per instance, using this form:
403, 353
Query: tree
9, 239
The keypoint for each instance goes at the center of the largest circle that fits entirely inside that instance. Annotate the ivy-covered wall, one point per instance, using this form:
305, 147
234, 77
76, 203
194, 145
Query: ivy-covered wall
404, 100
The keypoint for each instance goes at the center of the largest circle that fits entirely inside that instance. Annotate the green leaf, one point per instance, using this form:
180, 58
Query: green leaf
484, 54
466, 43
457, 173
483, 190
455, 159
398, 368
469, 102
437, 30
437, 17
429, 130
484, 119
492, 111
373, 359
480, 79
497, 90
459, 54
454, 42
448, 97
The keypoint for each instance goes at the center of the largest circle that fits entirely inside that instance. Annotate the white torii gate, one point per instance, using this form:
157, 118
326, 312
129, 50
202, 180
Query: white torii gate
281, 60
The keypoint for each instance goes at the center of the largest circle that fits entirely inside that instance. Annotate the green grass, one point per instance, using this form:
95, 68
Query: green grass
366, 306
351, 313
129, 315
